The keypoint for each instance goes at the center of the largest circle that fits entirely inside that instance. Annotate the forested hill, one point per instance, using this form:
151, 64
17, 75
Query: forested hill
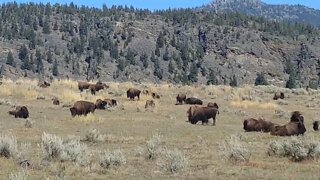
180, 46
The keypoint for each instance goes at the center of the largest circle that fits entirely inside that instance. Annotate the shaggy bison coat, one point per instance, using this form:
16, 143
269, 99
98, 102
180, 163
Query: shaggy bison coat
150, 103
83, 85
132, 93
251, 124
316, 125
82, 108
20, 112
203, 114
290, 129
296, 116
193, 100
215, 105
155, 96
278, 95
181, 98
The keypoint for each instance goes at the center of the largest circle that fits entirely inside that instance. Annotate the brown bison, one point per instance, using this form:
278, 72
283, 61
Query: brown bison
278, 95
111, 102
290, 129
316, 125
181, 98
203, 114
100, 104
97, 87
20, 112
150, 103
132, 93
215, 105
155, 95
55, 101
83, 85
43, 84
82, 108
193, 100
296, 116
257, 125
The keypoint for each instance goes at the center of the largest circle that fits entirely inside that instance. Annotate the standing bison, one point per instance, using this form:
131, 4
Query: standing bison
203, 114
92, 87
278, 95
20, 112
132, 93
193, 100
82, 108
290, 129
316, 125
181, 98
257, 125
83, 85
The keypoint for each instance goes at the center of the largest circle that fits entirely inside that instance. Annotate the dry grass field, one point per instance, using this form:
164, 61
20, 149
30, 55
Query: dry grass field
134, 133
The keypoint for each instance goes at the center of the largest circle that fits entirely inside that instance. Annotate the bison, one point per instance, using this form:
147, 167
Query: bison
150, 103
97, 87
181, 98
43, 84
55, 101
146, 92
132, 93
155, 95
316, 125
82, 108
296, 116
193, 100
20, 112
203, 114
100, 104
257, 125
290, 129
278, 95
111, 102
83, 85
215, 105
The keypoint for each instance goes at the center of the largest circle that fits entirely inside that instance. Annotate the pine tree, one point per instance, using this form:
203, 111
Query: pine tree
193, 75
39, 63
121, 64
130, 57
157, 70
171, 67
144, 59
166, 56
261, 80
157, 51
10, 59
55, 71
160, 40
291, 83
46, 26
212, 79
234, 82
23, 53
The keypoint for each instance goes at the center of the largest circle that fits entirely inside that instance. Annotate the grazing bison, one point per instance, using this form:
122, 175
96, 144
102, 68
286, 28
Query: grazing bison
43, 84
132, 93
20, 112
111, 102
155, 95
100, 104
257, 125
316, 125
193, 100
83, 85
290, 129
55, 101
82, 108
150, 103
203, 114
278, 95
97, 87
296, 117
181, 98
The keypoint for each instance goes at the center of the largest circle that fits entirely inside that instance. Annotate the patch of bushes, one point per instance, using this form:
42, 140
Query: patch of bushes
95, 136
234, 149
296, 148
19, 176
173, 161
153, 146
115, 158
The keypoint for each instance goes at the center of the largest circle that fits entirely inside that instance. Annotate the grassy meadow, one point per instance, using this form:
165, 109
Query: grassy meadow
150, 143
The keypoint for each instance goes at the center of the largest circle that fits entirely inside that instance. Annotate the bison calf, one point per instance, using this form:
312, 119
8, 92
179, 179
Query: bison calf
82, 108
20, 112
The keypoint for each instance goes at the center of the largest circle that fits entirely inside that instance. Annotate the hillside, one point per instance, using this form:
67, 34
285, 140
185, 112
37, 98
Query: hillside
295, 13
180, 46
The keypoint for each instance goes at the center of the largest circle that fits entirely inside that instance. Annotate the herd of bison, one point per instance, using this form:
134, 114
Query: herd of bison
195, 113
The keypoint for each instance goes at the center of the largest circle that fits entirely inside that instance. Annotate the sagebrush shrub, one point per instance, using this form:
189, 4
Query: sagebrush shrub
95, 136
75, 152
52, 146
153, 146
115, 158
234, 149
18, 176
8, 147
174, 160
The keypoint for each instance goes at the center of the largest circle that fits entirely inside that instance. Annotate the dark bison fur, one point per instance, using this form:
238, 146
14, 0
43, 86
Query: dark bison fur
100, 104
83, 85
181, 98
20, 112
296, 116
278, 95
257, 125
155, 95
215, 105
193, 100
316, 125
203, 114
132, 93
55, 101
150, 103
290, 129
82, 108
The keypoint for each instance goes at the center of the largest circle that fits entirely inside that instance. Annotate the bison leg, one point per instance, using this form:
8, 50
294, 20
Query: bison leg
214, 122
